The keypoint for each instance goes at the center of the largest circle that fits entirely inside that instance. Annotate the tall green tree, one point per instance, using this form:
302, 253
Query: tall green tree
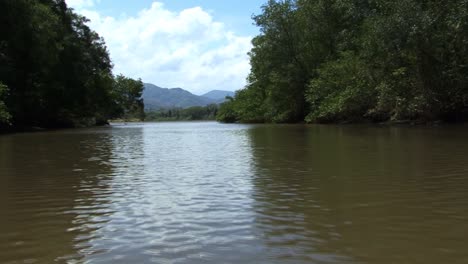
57, 69
127, 93
354, 60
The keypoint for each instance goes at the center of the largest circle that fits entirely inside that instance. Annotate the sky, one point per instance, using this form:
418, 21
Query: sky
198, 45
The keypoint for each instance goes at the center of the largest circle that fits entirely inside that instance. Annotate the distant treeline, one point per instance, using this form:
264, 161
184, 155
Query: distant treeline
179, 114
55, 71
356, 60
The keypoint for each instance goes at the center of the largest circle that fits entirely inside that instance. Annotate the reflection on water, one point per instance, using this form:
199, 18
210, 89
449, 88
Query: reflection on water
53, 194
356, 194
213, 193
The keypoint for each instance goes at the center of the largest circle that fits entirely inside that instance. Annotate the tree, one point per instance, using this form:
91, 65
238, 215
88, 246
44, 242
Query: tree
4, 115
127, 93
57, 69
354, 60
226, 112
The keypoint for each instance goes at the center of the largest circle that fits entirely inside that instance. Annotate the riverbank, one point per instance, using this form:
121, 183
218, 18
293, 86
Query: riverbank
29, 129
395, 123
368, 122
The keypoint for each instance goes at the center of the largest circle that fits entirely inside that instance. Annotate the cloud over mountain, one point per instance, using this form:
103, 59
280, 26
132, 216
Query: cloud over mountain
186, 48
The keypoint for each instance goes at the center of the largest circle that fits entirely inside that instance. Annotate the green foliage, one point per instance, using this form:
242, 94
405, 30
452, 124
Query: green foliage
246, 107
208, 112
4, 115
346, 60
226, 112
127, 93
345, 98
57, 69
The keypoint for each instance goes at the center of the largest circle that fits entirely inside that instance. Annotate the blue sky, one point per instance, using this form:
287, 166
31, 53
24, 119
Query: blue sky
199, 45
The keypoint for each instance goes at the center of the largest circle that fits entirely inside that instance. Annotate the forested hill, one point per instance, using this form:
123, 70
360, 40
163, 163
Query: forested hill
356, 60
218, 95
55, 71
156, 97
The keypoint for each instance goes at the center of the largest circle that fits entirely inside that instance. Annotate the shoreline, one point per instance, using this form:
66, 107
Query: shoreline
397, 123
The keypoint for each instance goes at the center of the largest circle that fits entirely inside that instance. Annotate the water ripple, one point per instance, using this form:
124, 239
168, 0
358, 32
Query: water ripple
213, 193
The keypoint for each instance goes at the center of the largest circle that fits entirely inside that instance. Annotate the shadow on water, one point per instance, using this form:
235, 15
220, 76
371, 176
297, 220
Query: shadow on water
54, 194
359, 194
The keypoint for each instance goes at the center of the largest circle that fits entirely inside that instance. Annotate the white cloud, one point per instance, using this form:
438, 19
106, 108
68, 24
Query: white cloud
185, 49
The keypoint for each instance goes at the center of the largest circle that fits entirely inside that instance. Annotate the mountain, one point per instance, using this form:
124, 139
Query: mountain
218, 94
156, 97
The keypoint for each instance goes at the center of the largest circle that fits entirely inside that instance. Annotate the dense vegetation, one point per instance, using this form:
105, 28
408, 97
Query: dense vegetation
184, 114
55, 71
356, 60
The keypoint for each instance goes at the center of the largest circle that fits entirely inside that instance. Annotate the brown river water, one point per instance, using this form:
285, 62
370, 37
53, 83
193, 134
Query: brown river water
203, 192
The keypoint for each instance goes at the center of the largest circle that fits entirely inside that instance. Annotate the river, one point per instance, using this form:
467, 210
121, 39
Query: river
203, 192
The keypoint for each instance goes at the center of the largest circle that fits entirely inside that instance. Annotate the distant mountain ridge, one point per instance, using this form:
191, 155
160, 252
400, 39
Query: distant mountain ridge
156, 97
218, 94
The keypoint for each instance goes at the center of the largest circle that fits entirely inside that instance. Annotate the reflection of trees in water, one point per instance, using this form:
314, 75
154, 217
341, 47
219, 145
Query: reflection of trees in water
357, 193
293, 213
53, 193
